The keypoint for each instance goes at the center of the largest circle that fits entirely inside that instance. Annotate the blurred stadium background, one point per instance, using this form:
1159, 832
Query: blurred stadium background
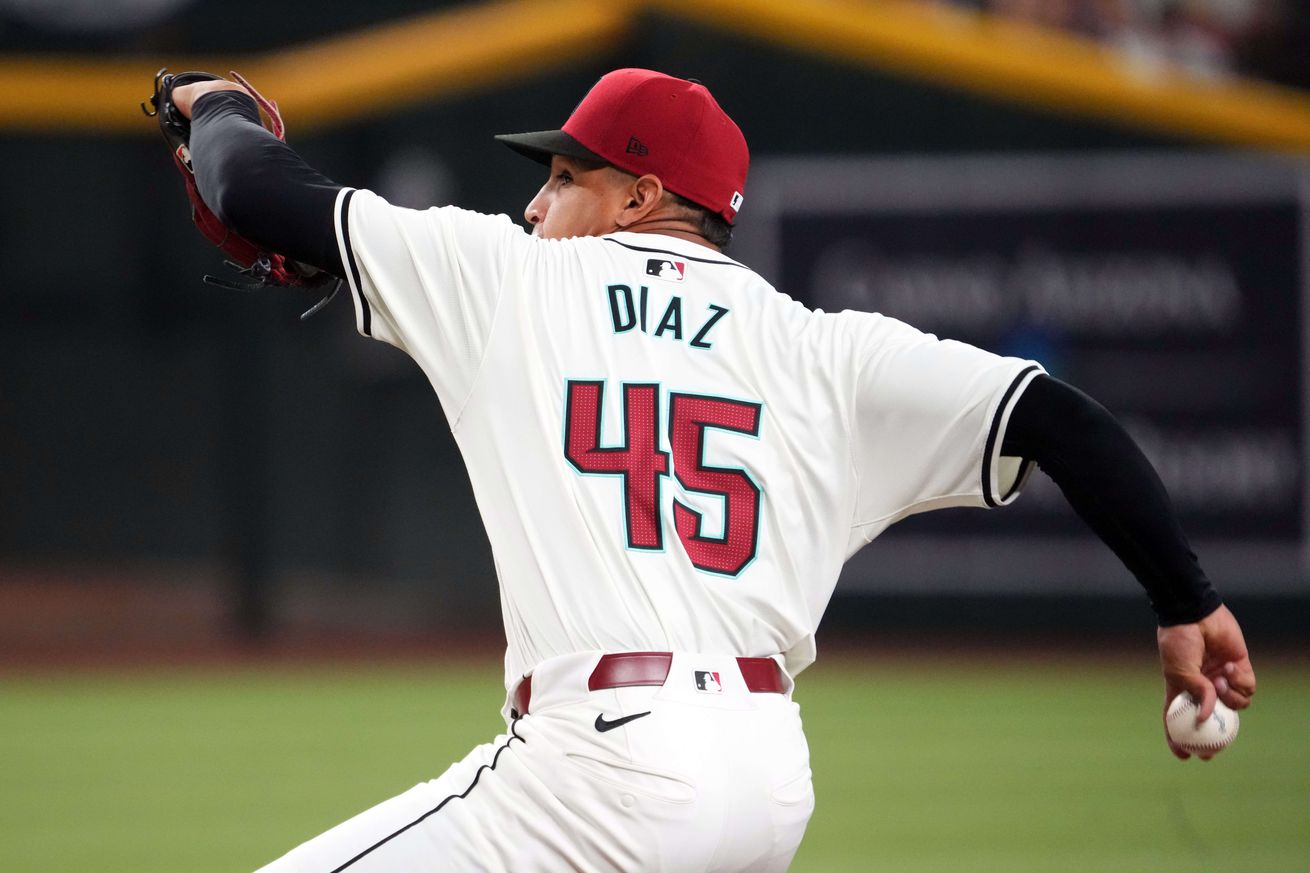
244, 590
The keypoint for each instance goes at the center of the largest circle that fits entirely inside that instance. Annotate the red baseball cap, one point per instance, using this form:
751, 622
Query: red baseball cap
646, 122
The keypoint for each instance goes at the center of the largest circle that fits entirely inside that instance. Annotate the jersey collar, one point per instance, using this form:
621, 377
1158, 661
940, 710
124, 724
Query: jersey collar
659, 243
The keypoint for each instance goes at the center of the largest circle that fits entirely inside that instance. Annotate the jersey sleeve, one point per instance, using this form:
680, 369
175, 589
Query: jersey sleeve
428, 282
928, 423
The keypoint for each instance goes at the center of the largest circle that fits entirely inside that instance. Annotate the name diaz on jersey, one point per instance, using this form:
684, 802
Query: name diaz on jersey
629, 309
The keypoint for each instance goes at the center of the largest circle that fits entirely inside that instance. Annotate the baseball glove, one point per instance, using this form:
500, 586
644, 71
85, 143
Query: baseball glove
261, 268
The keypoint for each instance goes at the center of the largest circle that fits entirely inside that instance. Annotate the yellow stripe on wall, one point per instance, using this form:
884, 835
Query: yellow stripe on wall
343, 78
1005, 58
384, 69
451, 52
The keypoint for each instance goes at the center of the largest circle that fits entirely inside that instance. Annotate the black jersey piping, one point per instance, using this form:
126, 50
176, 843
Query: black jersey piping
676, 254
431, 812
994, 431
366, 313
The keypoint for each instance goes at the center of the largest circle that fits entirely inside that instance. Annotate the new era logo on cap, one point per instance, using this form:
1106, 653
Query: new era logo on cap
673, 271
736, 201
637, 147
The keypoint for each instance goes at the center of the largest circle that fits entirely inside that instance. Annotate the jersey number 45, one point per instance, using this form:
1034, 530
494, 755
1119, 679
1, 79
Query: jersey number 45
644, 466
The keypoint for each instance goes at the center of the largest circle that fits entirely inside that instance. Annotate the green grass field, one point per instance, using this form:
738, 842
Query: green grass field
919, 767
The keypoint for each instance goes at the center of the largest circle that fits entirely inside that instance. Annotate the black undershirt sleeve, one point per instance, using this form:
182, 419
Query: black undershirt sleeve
1115, 490
258, 186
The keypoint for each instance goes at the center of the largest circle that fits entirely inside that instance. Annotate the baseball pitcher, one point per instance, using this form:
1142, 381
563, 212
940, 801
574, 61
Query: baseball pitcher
673, 460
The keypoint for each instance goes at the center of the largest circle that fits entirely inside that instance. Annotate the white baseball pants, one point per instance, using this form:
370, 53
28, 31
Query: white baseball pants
699, 774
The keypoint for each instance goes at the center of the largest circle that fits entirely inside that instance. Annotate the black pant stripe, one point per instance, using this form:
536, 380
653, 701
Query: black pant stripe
465, 793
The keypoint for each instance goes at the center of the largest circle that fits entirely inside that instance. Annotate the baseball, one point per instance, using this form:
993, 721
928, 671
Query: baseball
1210, 736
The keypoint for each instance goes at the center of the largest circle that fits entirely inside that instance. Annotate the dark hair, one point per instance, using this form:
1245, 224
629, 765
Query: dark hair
711, 225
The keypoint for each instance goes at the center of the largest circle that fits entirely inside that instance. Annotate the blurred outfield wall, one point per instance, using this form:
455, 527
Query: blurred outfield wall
152, 427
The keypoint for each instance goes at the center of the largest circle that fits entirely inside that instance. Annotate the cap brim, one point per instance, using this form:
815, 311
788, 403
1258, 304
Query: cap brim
543, 144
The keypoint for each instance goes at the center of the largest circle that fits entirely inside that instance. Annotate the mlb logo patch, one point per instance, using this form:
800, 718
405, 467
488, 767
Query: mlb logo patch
708, 682
673, 271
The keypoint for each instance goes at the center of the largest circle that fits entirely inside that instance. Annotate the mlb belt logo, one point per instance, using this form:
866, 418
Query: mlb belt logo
674, 271
708, 682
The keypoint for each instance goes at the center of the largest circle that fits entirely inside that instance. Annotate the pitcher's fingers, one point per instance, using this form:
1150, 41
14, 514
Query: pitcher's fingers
1203, 692
1241, 677
1235, 699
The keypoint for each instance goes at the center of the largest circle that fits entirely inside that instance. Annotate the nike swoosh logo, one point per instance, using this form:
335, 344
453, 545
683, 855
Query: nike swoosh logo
603, 725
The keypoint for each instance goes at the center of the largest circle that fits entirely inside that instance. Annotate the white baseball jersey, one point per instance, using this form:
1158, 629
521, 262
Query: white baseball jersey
668, 454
